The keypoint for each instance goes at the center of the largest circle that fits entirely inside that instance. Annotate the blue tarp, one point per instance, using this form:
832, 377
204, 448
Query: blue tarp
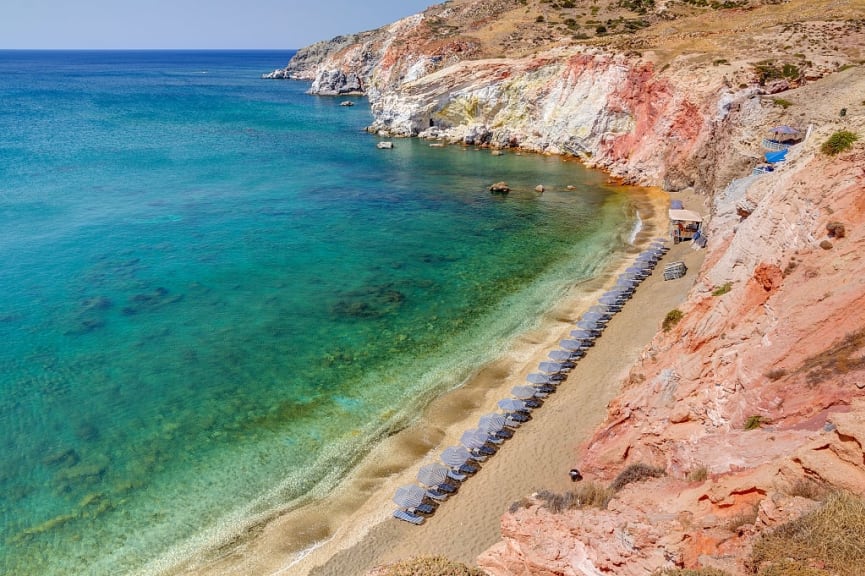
676, 204
773, 157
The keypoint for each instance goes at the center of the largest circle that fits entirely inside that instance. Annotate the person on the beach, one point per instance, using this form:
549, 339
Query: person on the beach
575, 475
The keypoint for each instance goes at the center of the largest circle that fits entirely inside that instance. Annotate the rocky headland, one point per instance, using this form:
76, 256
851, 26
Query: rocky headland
752, 406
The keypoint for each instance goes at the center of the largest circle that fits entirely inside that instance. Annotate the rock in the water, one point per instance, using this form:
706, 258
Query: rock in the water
347, 103
385, 145
500, 188
539, 188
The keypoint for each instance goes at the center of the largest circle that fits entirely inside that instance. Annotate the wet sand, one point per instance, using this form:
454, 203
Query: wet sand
354, 527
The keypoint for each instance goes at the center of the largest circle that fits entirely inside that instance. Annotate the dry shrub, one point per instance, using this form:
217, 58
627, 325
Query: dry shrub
635, 473
836, 229
805, 488
586, 494
745, 518
776, 373
831, 537
429, 566
698, 474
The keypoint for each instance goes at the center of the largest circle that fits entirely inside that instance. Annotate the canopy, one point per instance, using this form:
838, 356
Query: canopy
538, 378
560, 355
410, 496
551, 367
784, 129
455, 456
491, 423
432, 474
686, 215
572, 345
473, 438
772, 157
511, 405
524, 392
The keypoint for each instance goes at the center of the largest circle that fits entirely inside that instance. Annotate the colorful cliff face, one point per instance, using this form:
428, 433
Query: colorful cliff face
760, 389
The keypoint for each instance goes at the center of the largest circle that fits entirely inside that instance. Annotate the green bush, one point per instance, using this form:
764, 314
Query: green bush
838, 142
721, 290
782, 103
753, 422
671, 319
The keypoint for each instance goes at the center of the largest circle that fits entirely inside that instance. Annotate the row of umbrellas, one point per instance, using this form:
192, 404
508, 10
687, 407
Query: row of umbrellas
438, 480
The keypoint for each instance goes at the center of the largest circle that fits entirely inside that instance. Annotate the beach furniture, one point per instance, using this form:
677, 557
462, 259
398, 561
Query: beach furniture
674, 270
413, 499
459, 459
476, 442
526, 393
495, 425
435, 476
574, 345
437, 494
555, 367
407, 516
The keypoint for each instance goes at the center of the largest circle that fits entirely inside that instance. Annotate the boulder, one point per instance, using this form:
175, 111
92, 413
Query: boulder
385, 145
500, 188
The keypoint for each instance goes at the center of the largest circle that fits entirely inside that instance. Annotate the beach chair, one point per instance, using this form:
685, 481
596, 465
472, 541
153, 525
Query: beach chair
437, 494
457, 476
407, 516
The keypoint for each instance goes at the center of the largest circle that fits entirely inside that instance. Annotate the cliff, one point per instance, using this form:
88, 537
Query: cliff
758, 394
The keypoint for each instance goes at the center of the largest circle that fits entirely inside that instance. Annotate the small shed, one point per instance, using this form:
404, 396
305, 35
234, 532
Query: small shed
684, 224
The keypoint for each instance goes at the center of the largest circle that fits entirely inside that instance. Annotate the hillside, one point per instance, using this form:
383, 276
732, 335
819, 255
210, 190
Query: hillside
753, 405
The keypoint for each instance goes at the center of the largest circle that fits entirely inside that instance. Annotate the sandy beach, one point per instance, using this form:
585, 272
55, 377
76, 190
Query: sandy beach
354, 528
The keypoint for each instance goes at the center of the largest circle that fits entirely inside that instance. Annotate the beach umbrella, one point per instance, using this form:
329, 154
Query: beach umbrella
637, 269
596, 317
432, 474
410, 496
589, 325
602, 310
491, 423
455, 456
553, 367
538, 378
613, 299
572, 345
512, 405
474, 439
524, 392
560, 355
583, 334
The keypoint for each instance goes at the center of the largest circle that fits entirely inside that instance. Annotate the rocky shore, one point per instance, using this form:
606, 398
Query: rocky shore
755, 401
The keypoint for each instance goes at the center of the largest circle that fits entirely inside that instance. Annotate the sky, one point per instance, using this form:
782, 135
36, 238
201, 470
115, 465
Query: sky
190, 24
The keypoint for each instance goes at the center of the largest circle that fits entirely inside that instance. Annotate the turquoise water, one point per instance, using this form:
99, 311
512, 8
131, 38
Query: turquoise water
217, 294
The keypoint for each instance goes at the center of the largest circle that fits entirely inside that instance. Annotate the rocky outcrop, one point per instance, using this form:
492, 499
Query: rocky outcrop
752, 402
760, 389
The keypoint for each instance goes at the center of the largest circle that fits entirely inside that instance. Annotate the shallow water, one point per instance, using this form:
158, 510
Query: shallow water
217, 294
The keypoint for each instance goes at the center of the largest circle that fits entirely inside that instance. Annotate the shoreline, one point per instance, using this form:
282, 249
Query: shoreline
352, 529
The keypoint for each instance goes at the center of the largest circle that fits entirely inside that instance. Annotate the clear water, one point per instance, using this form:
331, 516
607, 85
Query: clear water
216, 294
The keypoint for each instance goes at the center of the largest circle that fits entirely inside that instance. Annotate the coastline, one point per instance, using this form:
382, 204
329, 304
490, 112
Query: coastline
352, 530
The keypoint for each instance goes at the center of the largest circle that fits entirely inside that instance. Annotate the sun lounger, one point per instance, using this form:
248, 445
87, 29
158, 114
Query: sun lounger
408, 517
446, 488
436, 494
457, 476
424, 508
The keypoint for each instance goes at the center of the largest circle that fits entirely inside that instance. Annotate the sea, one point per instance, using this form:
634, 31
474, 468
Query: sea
217, 294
